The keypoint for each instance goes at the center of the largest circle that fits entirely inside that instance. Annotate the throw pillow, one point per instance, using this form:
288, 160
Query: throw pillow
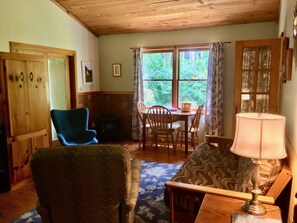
269, 171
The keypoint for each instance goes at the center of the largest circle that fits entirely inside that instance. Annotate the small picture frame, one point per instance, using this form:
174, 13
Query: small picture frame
117, 69
87, 72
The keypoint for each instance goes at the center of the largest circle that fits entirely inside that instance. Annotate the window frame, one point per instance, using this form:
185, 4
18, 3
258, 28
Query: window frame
175, 64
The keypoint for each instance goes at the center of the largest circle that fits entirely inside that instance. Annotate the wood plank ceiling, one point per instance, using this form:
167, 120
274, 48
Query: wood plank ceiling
105, 17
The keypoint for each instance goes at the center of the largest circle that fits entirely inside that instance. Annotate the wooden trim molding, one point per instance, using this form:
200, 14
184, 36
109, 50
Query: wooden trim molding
105, 92
52, 52
15, 46
292, 160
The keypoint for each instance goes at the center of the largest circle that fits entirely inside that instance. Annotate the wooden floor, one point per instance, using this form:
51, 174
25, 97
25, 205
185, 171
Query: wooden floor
22, 198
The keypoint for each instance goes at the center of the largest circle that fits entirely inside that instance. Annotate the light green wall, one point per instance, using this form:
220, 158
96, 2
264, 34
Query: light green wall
41, 22
289, 94
116, 49
289, 98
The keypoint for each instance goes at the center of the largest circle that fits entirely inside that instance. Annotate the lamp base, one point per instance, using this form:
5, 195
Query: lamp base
255, 208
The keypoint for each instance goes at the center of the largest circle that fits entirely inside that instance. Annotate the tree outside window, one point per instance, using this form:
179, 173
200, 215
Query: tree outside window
174, 76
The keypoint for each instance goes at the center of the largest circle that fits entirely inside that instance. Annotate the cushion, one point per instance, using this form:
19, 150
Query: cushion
269, 171
209, 166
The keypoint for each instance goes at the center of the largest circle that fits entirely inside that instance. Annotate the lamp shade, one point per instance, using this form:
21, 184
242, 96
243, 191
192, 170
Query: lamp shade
259, 136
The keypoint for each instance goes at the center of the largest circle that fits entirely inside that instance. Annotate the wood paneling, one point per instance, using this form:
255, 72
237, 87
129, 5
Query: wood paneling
126, 16
24, 97
117, 104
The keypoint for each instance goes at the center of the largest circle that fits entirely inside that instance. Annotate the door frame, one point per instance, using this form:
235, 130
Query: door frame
52, 52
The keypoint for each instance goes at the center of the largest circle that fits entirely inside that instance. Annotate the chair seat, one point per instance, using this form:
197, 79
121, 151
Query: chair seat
182, 129
176, 125
164, 131
79, 142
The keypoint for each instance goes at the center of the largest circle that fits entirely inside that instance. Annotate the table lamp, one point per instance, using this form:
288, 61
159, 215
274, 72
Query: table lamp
259, 136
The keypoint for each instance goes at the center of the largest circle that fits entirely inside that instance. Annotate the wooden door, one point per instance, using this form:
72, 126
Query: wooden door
26, 106
19, 122
257, 80
38, 101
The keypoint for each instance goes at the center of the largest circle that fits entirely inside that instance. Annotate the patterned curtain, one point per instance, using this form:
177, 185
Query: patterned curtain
214, 122
138, 91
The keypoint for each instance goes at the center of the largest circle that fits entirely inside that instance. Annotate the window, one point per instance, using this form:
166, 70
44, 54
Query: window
175, 75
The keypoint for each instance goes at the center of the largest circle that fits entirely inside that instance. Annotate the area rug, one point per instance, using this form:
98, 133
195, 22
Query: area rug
150, 207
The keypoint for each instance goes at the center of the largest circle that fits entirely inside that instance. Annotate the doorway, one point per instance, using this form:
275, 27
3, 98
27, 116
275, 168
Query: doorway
58, 70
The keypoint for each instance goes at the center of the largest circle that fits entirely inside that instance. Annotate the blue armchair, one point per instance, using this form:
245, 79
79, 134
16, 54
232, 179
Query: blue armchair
72, 127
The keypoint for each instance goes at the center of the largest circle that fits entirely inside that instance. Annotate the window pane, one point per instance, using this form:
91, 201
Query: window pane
193, 64
158, 93
265, 57
157, 66
248, 81
262, 102
249, 58
192, 91
247, 103
263, 81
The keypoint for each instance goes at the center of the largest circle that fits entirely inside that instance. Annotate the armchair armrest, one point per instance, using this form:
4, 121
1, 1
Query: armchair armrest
89, 134
135, 180
209, 190
130, 203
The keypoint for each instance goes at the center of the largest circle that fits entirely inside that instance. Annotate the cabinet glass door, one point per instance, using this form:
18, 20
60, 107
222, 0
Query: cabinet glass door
256, 79
256, 72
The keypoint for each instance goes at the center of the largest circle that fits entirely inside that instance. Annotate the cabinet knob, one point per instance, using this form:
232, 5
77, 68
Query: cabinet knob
31, 76
22, 76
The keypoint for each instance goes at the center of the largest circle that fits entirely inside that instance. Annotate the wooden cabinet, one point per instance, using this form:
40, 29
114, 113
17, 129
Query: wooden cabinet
257, 76
24, 103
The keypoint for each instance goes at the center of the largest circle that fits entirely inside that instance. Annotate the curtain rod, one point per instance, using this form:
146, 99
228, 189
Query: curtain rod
181, 45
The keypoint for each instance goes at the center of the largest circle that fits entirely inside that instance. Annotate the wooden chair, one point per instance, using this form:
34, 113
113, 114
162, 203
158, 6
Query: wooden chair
160, 120
193, 129
140, 108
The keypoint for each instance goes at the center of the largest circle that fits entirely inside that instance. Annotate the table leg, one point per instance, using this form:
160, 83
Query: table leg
144, 132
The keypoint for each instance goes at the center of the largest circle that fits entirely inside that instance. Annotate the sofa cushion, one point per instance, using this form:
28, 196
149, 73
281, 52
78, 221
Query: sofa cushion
209, 166
269, 171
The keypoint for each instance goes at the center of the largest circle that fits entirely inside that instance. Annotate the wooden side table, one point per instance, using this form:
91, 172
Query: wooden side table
216, 208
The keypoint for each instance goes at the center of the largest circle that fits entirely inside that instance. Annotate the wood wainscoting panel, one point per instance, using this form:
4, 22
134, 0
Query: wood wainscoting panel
118, 104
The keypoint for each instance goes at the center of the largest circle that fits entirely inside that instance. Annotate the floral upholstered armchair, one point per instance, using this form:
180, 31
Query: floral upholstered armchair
91, 183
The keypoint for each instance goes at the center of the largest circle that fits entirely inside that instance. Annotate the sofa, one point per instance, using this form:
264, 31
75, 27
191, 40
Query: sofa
212, 168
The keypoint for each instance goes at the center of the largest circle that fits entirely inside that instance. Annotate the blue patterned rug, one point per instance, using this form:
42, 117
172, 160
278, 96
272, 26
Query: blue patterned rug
150, 207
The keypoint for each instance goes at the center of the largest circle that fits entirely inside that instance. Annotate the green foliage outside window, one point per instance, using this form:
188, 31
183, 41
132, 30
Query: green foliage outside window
157, 72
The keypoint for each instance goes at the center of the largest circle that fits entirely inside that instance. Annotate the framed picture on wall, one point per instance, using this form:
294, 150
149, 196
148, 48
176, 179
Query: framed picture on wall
87, 72
117, 70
